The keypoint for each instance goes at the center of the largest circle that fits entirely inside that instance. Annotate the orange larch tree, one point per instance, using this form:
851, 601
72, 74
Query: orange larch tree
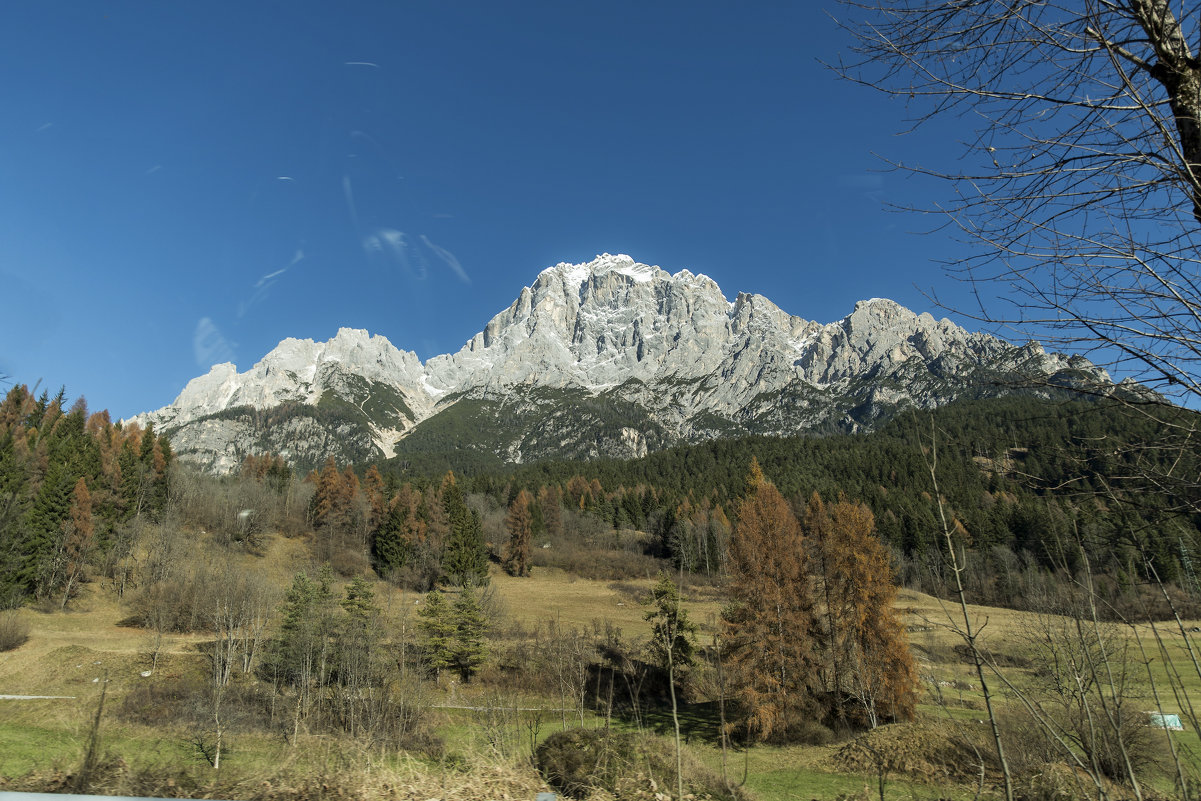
769, 626
77, 544
867, 653
520, 523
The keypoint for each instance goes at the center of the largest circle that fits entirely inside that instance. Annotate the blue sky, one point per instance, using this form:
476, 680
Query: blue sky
184, 183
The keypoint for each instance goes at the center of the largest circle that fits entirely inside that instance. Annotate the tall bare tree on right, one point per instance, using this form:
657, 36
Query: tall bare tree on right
1079, 180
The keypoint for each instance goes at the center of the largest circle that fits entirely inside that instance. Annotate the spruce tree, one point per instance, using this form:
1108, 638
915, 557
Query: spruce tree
470, 651
42, 531
465, 559
389, 545
300, 653
438, 628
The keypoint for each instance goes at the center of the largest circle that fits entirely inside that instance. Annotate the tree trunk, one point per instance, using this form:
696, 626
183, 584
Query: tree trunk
675, 720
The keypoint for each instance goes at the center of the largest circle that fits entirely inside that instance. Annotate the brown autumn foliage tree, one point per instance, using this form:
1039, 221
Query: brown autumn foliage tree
550, 501
769, 625
268, 468
333, 504
79, 540
520, 523
337, 514
868, 659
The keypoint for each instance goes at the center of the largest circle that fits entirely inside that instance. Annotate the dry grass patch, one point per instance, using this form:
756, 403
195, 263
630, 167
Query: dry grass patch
935, 752
552, 594
373, 780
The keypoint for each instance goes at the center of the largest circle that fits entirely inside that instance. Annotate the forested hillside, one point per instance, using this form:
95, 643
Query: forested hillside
1024, 479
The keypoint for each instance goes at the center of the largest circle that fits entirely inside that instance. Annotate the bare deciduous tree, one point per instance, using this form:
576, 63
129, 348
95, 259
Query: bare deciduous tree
1079, 180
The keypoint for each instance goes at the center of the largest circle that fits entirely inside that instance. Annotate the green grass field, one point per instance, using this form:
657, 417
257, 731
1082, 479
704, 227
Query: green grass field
485, 748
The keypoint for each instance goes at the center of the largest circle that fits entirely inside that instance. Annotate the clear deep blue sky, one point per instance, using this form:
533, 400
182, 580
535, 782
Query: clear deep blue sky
188, 183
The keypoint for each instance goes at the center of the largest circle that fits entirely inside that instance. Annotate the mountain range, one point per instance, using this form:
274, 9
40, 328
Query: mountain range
608, 358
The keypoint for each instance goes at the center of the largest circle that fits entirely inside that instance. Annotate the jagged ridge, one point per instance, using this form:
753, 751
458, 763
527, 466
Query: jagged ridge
680, 361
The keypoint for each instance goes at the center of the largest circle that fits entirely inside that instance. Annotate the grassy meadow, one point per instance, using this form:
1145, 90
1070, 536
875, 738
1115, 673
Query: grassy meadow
479, 737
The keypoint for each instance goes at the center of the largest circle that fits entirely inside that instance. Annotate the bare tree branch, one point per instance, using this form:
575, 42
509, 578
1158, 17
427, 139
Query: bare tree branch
1079, 185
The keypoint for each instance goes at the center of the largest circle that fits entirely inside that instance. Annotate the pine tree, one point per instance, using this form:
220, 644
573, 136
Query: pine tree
470, 627
519, 522
438, 627
389, 545
465, 558
769, 625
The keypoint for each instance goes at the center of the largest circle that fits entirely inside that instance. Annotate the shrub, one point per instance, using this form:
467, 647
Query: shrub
14, 632
578, 761
1030, 748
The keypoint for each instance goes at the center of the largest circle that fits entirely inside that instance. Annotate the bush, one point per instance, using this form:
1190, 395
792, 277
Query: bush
1030, 749
14, 632
932, 751
578, 762
397, 713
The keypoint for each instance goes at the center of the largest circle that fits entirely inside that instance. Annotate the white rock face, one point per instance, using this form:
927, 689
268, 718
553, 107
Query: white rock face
671, 343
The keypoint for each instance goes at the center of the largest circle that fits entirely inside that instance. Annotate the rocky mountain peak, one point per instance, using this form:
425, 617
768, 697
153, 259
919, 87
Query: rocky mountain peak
670, 344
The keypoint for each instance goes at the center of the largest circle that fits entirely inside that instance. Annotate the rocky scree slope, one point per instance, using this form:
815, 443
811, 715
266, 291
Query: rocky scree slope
608, 358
